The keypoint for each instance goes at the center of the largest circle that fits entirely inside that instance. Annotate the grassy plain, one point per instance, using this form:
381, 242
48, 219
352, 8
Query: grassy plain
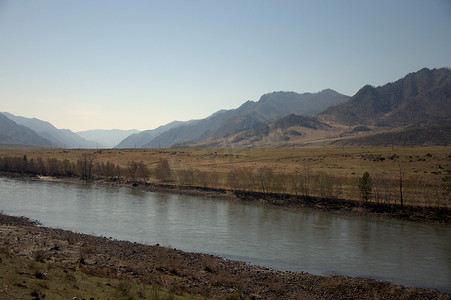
421, 169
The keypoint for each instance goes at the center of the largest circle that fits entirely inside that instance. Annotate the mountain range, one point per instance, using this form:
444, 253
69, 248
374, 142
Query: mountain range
58, 138
418, 105
419, 98
139, 140
248, 116
414, 110
12, 133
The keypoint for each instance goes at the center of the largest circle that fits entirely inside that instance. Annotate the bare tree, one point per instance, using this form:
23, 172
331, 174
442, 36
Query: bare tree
132, 169
264, 178
401, 175
305, 177
85, 164
201, 178
324, 185
240, 179
142, 171
163, 171
185, 176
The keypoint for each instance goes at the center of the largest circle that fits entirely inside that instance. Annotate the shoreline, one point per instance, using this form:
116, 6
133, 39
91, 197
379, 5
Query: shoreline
427, 215
181, 271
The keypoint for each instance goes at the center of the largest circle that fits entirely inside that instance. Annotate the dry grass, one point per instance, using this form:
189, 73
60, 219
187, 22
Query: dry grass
422, 167
22, 278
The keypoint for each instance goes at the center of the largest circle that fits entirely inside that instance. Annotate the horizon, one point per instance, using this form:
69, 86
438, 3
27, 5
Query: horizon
131, 129
116, 65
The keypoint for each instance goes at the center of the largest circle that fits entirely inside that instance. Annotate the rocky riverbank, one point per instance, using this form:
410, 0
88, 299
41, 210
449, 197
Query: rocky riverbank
187, 272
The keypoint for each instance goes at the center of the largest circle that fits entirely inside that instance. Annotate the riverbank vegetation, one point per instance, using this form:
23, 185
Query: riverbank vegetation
395, 179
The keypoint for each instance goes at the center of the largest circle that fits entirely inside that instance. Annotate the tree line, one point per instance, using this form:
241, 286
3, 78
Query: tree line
302, 183
86, 168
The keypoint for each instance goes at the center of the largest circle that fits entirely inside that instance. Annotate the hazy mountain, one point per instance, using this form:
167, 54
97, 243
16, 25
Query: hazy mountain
138, 140
63, 138
248, 116
13, 133
421, 98
414, 110
106, 138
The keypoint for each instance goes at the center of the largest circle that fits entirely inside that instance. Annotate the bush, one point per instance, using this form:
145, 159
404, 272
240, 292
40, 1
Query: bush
365, 186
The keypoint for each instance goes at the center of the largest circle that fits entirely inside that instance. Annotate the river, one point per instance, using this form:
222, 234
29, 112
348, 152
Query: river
284, 239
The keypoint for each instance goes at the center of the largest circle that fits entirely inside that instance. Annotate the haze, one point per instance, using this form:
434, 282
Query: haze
140, 64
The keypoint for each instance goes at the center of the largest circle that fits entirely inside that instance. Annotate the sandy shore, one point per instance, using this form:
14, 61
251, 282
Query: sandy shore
189, 272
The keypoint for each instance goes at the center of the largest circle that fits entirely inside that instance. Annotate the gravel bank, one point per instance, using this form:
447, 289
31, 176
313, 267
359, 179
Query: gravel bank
190, 272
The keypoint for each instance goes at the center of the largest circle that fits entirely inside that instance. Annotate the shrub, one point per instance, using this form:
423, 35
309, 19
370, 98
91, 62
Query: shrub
365, 186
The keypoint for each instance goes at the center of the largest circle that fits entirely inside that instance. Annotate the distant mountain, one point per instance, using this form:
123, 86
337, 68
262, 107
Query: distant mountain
414, 110
421, 98
138, 140
13, 133
106, 138
63, 138
248, 116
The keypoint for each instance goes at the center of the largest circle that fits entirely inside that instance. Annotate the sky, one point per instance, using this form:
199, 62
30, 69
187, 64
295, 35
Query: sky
104, 64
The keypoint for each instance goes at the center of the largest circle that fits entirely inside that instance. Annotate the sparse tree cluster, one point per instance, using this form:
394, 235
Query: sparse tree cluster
86, 168
85, 165
137, 171
303, 183
51, 167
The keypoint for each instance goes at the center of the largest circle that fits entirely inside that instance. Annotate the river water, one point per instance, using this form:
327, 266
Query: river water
293, 240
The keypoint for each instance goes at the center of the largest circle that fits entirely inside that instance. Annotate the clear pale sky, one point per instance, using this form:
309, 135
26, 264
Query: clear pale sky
107, 64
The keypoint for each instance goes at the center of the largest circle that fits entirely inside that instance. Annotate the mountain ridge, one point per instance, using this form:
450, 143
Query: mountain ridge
249, 115
420, 99
61, 138
13, 133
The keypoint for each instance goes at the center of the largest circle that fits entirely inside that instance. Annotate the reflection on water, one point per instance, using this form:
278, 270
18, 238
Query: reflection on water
310, 241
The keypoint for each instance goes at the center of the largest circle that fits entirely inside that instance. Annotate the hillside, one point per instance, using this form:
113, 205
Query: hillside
416, 136
61, 138
249, 116
287, 131
138, 140
13, 133
421, 98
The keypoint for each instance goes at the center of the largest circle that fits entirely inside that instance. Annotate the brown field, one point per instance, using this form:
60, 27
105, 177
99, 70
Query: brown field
422, 168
